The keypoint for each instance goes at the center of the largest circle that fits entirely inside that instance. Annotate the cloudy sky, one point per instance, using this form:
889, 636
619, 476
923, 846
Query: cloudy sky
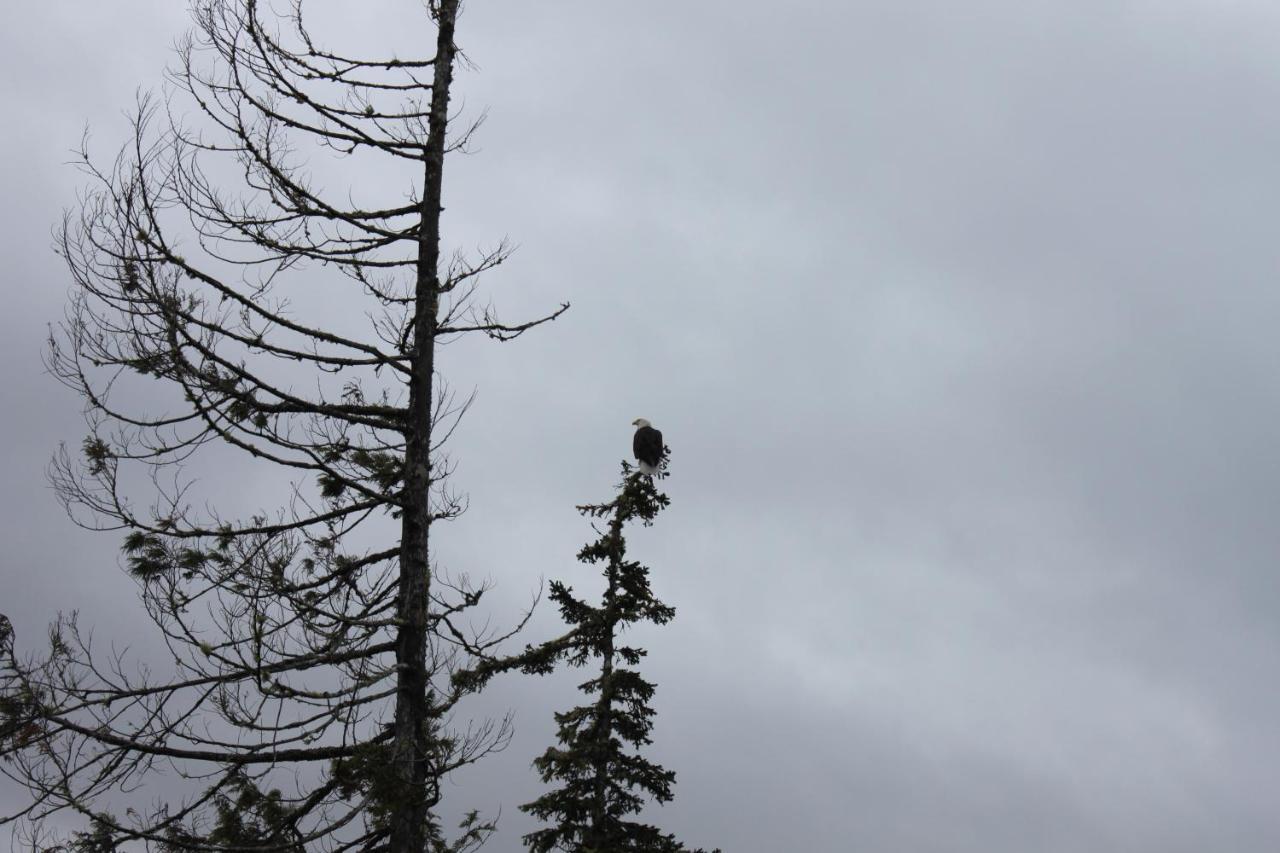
960, 320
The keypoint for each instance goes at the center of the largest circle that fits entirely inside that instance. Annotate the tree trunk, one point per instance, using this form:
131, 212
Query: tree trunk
412, 731
598, 837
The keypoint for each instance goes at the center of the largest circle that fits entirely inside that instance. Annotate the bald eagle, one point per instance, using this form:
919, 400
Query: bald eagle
647, 446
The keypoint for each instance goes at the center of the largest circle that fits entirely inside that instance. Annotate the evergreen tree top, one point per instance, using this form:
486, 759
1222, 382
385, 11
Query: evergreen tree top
599, 773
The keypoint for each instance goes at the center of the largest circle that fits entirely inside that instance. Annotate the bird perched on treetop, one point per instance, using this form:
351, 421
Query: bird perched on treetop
647, 446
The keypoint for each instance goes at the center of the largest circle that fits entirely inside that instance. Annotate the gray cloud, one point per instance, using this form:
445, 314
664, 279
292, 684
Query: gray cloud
960, 322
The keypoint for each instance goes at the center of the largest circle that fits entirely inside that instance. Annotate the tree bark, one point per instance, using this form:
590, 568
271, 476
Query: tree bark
412, 730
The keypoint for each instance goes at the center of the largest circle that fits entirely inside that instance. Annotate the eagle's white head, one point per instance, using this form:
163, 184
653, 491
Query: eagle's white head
640, 422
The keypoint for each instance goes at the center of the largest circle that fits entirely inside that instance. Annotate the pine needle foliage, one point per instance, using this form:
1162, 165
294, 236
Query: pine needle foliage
600, 776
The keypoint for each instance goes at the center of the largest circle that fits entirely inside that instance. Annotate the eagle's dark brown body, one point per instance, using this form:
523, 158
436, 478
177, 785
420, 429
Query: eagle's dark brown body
647, 446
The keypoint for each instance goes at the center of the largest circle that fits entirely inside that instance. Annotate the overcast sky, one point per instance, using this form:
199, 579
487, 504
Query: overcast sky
960, 320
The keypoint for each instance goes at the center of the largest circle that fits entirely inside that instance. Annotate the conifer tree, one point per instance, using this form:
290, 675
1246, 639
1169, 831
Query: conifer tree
599, 773
308, 679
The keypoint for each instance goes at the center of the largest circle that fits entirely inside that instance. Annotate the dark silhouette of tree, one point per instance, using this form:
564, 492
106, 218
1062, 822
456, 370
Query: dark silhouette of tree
601, 775
319, 655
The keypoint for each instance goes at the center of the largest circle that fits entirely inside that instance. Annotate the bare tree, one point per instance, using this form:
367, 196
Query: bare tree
319, 655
